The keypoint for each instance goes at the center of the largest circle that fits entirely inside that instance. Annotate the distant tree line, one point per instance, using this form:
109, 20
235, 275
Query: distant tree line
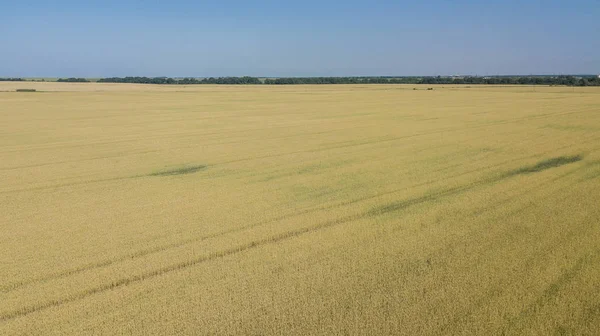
342, 80
492, 80
516, 80
12, 80
497, 80
73, 80
183, 81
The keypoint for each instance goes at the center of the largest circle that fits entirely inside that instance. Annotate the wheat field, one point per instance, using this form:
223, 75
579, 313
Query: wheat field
289, 210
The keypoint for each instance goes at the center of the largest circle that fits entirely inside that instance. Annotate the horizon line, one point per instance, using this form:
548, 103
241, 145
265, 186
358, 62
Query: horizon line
318, 76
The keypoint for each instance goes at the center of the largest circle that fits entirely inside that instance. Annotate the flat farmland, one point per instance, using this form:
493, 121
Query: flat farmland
227, 210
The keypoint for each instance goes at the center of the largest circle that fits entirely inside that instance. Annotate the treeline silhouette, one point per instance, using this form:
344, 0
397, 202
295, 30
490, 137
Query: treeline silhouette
12, 80
184, 81
342, 80
516, 80
73, 80
498, 80
491, 80
495, 80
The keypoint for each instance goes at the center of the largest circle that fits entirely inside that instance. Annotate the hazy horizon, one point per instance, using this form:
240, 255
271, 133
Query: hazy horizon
315, 38
358, 76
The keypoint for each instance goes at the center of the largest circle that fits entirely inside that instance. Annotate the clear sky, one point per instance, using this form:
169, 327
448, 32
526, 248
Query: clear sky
77, 38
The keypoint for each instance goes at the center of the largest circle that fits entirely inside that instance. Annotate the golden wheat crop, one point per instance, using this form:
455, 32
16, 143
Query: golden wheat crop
227, 210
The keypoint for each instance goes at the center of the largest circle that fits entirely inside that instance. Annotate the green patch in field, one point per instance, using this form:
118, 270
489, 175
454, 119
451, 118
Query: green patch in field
437, 195
311, 169
562, 330
592, 170
311, 193
547, 164
571, 127
592, 312
179, 171
488, 150
429, 197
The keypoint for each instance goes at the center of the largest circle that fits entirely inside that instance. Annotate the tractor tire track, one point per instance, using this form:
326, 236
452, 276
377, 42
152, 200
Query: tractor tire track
393, 207
383, 209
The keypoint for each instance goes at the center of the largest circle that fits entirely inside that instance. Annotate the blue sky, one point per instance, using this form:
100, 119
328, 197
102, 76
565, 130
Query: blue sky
303, 38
